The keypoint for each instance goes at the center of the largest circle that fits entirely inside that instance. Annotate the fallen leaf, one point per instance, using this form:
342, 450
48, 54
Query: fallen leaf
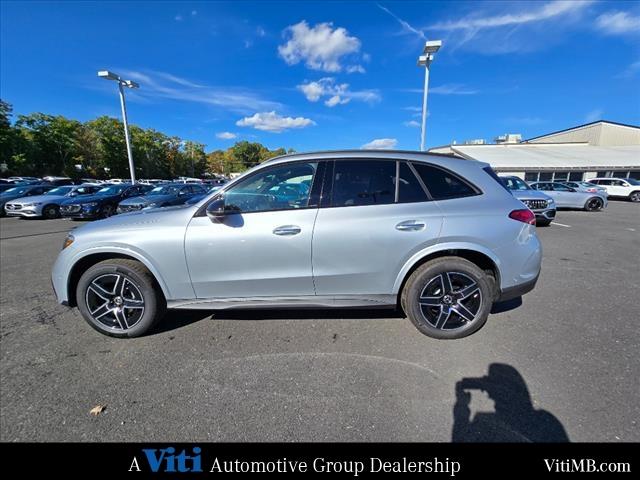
97, 410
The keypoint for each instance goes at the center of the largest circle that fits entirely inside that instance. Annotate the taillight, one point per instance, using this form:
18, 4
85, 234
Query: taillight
524, 215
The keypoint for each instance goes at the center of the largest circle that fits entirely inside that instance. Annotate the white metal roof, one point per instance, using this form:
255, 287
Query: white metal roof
553, 155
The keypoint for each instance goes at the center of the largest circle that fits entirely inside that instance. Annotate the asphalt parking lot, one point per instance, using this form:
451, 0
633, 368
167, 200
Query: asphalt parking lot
570, 349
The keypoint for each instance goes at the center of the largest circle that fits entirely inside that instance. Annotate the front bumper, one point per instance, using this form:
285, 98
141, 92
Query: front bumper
82, 213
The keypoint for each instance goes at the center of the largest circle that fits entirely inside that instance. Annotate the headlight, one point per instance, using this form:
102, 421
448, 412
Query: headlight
68, 241
551, 201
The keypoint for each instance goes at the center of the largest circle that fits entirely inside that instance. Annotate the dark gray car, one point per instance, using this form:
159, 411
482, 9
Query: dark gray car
162, 196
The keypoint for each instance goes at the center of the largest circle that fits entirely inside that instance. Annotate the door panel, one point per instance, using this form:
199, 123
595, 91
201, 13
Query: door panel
246, 255
360, 250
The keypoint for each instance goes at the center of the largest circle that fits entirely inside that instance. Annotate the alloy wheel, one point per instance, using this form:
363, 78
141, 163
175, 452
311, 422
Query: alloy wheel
450, 301
635, 197
594, 204
115, 301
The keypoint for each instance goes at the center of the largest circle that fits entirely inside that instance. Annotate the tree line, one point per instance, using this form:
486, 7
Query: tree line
39, 144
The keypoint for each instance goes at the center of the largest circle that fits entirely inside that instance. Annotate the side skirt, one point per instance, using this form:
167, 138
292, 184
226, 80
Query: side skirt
304, 301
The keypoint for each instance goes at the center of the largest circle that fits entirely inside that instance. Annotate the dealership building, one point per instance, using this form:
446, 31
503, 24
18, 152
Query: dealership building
597, 149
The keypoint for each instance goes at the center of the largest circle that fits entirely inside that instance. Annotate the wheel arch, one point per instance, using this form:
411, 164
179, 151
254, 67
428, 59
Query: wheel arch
483, 259
87, 261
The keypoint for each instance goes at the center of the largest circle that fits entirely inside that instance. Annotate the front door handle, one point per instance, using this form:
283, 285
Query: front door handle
285, 230
410, 226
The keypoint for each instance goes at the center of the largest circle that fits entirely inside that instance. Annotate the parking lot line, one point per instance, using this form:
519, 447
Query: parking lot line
560, 224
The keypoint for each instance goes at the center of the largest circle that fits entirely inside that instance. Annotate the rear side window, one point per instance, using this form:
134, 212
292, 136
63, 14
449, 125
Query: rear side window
441, 184
357, 182
409, 188
506, 183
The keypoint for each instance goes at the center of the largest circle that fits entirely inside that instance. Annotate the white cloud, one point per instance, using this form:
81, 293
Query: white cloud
261, 32
272, 122
517, 27
194, 13
248, 43
618, 23
162, 85
178, 18
406, 26
380, 144
594, 115
336, 100
446, 89
355, 69
338, 93
545, 12
412, 124
630, 71
226, 135
320, 47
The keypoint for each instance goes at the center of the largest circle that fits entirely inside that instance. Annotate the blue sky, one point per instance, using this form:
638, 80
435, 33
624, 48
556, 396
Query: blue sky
319, 75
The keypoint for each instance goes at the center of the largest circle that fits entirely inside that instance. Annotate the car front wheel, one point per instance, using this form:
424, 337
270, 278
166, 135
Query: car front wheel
448, 298
51, 211
120, 298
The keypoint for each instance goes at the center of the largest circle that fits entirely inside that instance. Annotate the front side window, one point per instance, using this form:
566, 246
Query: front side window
282, 187
441, 184
363, 182
561, 188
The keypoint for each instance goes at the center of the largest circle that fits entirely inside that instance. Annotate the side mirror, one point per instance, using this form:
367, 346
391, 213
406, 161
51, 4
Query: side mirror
215, 210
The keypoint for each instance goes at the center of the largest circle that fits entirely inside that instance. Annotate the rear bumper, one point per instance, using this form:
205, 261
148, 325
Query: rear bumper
548, 214
517, 290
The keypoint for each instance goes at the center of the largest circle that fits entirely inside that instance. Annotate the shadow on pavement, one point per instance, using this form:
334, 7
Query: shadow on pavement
175, 319
514, 419
502, 307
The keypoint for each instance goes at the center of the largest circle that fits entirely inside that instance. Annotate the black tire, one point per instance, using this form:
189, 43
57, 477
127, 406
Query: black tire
543, 223
50, 211
594, 204
107, 211
428, 276
634, 197
145, 288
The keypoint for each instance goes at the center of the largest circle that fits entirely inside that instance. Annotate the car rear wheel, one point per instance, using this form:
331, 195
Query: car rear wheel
448, 298
593, 204
635, 197
107, 210
51, 211
120, 298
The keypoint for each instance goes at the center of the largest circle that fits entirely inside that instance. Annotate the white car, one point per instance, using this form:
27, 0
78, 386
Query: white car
620, 187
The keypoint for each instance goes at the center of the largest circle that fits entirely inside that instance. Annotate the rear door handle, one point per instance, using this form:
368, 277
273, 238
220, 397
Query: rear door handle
285, 230
410, 226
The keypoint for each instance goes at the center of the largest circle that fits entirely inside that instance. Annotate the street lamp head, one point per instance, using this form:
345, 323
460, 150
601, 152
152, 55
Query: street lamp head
107, 75
130, 84
432, 46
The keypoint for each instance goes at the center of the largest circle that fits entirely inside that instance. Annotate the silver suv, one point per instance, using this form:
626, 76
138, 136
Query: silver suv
435, 235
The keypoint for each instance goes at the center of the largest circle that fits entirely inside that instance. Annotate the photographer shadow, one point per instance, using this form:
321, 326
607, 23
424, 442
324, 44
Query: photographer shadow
514, 419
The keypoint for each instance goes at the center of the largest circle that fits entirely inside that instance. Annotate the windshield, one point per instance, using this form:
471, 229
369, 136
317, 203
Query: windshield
112, 190
164, 190
17, 190
515, 183
632, 181
59, 191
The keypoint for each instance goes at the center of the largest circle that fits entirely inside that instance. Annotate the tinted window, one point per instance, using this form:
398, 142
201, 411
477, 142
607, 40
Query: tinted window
363, 182
410, 189
442, 184
531, 176
577, 176
546, 176
561, 188
515, 183
279, 188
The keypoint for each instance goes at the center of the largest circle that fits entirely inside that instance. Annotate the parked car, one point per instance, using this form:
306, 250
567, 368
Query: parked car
628, 188
23, 179
543, 206
586, 187
21, 191
46, 205
103, 203
197, 198
439, 235
161, 196
567, 197
57, 181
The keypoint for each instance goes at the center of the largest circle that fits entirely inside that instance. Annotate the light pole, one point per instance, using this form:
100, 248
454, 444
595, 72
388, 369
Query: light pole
106, 74
425, 60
